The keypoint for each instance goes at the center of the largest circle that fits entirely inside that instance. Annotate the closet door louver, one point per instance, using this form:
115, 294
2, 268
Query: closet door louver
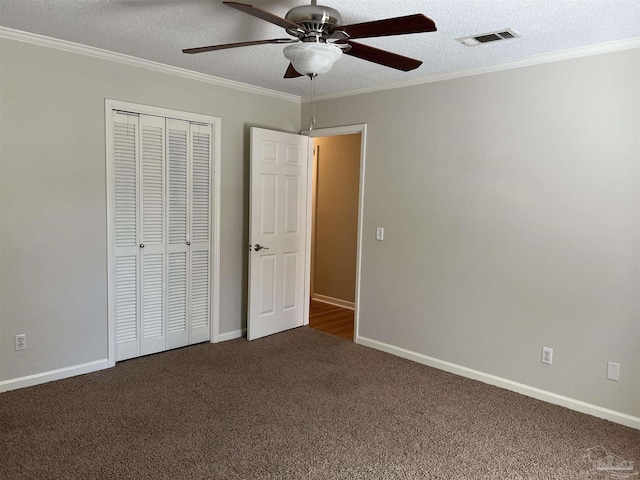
152, 244
161, 233
200, 219
125, 148
177, 248
189, 168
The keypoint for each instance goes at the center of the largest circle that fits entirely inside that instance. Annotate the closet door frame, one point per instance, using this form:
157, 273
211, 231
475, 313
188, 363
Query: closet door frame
111, 107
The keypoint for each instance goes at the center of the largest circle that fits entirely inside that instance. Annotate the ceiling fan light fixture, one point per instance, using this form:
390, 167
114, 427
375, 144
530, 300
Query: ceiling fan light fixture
309, 58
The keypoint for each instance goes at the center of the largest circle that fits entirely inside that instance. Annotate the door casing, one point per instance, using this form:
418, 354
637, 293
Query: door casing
215, 122
331, 132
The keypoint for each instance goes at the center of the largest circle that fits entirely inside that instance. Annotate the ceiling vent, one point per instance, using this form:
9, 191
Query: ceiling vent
498, 36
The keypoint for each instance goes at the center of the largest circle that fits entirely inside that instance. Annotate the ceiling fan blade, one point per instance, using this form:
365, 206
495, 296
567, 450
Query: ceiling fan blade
382, 57
264, 15
239, 44
292, 72
416, 23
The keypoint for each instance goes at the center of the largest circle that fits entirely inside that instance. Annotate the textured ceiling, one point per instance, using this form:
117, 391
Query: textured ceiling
157, 30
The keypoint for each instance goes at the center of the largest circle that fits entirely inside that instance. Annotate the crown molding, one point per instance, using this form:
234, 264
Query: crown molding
567, 54
45, 41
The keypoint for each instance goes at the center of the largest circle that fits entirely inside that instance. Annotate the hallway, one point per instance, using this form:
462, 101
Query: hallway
330, 319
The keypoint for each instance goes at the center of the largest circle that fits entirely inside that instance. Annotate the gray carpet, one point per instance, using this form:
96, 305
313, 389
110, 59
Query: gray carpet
298, 405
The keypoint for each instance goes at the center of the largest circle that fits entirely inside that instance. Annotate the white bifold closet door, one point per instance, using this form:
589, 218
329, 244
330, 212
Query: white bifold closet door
188, 249
162, 233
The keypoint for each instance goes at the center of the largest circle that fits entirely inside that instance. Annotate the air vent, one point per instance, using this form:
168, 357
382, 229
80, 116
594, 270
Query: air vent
489, 37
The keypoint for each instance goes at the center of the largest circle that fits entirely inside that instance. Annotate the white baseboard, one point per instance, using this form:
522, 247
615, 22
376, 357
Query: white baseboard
550, 397
223, 337
336, 302
58, 374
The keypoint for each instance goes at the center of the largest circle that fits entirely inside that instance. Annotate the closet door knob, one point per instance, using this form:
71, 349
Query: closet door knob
188, 243
142, 245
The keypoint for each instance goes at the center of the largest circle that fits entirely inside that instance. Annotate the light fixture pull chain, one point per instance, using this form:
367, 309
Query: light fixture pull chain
313, 102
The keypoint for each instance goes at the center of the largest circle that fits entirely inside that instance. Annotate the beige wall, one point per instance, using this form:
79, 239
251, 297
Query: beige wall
511, 207
510, 201
335, 235
53, 239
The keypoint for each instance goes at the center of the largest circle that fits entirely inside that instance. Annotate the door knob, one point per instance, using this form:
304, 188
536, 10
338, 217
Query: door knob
188, 243
259, 247
142, 245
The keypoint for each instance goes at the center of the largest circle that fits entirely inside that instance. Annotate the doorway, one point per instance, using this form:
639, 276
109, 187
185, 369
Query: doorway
336, 184
163, 210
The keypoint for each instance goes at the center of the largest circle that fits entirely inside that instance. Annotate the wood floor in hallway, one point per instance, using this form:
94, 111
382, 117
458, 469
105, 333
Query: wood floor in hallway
331, 319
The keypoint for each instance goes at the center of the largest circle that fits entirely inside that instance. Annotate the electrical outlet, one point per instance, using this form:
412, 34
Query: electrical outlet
613, 371
547, 355
21, 341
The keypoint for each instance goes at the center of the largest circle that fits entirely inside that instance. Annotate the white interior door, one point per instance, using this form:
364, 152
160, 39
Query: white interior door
189, 195
152, 244
201, 143
126, 233
163, 200
277, 232
178, 238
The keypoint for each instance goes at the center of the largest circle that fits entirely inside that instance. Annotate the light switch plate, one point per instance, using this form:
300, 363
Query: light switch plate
613, 371
380, 234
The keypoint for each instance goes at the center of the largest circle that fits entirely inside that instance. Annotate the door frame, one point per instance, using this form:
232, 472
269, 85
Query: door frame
333, 132
109, 107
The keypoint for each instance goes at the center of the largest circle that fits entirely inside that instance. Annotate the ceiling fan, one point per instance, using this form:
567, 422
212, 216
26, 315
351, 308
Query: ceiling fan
321, 39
